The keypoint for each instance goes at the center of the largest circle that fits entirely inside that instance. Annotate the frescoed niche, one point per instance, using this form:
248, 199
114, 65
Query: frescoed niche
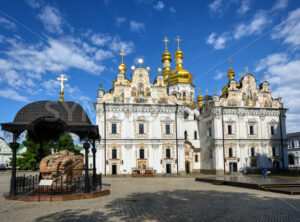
119, 97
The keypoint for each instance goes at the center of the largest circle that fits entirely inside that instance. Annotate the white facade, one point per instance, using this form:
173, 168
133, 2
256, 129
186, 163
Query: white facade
6, 154
144, 127
293, 149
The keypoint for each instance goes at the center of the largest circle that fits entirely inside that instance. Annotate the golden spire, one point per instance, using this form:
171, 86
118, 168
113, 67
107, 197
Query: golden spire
166, 61
246, 69
122, 54
62, 79
122, 66
230, 71
199, 98
263, 78
178, 40
207, 92
166, 43
215, 91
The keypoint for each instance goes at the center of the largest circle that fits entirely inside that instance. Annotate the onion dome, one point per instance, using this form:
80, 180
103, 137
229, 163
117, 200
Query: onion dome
230, 71
180, 75
166, 61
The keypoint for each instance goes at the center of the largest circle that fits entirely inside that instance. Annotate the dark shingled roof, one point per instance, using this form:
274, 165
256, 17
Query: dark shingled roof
48, 119
296, 134
69, 112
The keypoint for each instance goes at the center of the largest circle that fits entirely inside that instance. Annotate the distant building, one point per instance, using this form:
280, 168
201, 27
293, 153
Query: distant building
6, 153
293, 149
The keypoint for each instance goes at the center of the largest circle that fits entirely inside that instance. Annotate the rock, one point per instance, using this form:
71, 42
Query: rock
65, 164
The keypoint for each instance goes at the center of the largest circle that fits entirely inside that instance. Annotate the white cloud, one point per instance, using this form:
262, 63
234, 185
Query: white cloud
116, 45
259, 21
289, 29
34, 3
218, 42
172, 9
271, 60
12, 94
103, 54
280, 4
52, 19
119, 21
219, 75
284, 76
159, 6
215, 6
245, 7
100, 39
137, 26
7, 23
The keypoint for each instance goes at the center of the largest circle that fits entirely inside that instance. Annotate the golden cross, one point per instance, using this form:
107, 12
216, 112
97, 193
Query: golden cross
215, 91
241, 74
166, 42
122, 54
178, 40
207, 91
199, 89
246, 69
263, 78
230, 62
62, 79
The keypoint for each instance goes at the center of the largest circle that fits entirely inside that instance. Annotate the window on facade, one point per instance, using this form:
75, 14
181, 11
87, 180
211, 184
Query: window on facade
273, 151
196, 158
209, 131
195, 135
168, 153
252, 151
194, 116
251, 130
229, 129
210, 154
141, 128
230, 154
272, 130
142, 154
186, 115
184, 95
114, 154
185, 135
114, 128
168, 131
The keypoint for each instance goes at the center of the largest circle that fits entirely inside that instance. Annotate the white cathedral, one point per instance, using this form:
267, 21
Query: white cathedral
159, 127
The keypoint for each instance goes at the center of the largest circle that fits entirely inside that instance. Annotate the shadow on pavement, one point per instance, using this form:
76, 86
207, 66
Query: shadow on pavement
187, 205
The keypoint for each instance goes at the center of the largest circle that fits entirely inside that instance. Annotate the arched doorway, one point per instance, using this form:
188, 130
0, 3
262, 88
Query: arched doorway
187, 167
291, 159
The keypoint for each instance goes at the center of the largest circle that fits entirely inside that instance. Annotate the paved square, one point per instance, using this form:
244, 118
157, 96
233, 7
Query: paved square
159, 199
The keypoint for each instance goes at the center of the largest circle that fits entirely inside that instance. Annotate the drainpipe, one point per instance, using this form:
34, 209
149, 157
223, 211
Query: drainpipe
104, 138
176, 137
223, 139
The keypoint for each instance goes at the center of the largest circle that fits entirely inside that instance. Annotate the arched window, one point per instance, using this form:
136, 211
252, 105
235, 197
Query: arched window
230, 154
195, 135
184, 95
185, 135
186, 115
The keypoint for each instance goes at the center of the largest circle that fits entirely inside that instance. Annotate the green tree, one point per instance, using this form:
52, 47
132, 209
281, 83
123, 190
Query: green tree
31, 158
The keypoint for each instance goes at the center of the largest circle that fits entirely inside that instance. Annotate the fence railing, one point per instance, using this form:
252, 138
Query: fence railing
29, 185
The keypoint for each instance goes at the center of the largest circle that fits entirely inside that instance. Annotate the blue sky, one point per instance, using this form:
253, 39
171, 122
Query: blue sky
39, 40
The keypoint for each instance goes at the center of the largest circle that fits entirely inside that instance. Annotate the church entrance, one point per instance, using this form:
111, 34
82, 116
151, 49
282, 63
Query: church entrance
114, 169
187, 167
233, 167
168, 168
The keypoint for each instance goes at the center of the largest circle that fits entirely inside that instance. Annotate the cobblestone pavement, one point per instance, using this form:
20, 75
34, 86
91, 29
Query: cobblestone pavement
158, 199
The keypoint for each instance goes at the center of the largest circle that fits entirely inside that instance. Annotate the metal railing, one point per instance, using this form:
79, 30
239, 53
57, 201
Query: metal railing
29, 185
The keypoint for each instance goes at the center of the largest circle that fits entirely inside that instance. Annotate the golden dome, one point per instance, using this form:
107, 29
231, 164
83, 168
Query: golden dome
230, 71
166, 61
180, 75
